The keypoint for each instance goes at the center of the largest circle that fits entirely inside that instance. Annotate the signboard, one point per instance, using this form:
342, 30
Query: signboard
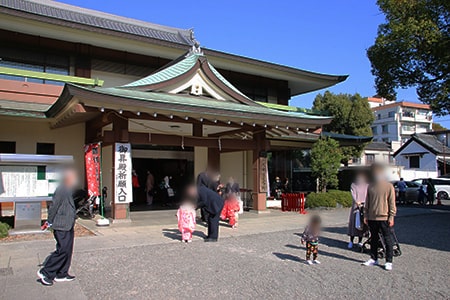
263, 178
22, 181
123, 189
92, 162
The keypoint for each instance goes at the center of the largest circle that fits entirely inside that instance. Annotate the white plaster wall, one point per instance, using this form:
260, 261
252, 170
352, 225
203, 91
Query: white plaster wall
428, 165
26, 132
200, 160
232, 164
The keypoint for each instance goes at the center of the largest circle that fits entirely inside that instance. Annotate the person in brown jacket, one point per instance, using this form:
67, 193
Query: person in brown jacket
379, 213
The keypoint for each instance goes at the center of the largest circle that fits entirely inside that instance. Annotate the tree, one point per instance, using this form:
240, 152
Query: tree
352, 115
438, 127
412, 50
325, 162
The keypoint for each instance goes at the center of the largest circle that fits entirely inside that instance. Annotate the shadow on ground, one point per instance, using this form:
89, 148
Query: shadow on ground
175, 234
325, 253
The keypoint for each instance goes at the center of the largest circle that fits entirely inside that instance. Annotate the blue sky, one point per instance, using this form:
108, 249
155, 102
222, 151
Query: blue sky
326, 36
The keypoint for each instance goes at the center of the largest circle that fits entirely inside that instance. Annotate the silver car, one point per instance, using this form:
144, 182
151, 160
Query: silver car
412, 191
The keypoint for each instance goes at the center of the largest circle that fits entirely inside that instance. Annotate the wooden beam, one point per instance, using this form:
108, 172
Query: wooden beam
50, 76
176, 140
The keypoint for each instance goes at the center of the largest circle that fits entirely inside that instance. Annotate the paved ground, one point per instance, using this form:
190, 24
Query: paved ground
262, 260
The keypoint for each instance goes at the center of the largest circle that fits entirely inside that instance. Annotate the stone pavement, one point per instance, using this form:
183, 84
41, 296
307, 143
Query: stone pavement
146, 261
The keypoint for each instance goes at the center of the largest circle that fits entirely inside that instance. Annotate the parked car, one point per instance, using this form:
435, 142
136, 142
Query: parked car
412, 191
442, 186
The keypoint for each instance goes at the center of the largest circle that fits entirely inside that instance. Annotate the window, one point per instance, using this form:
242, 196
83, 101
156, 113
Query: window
356, 160
385, 128
391, 114
33, 61
45, 148
414, 162
370, 158
379, 116
423, 127
7, 147
374, 130
408, 114
409, 128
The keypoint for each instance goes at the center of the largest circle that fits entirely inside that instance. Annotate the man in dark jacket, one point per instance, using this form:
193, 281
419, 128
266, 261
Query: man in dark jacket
212, 203
61, 217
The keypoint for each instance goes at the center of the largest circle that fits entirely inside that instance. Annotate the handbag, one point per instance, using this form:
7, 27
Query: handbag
358, 223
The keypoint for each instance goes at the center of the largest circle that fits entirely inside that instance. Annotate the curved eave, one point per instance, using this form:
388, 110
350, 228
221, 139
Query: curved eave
147, 101
298, 79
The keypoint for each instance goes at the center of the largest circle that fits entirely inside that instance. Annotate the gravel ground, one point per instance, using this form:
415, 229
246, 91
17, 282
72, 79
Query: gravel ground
271, 266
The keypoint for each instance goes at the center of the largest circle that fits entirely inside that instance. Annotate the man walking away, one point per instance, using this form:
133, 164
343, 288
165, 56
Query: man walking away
61, 217
401, 191
379, 213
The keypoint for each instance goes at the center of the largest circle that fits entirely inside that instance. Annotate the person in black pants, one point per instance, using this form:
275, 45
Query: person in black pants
213, 205
61, 217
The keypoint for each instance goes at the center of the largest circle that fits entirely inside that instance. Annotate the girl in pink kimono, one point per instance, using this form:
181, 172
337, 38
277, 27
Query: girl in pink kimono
186, 220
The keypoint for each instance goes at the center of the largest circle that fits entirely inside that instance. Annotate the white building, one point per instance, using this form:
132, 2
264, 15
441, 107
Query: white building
379, 152
397, 121
422, 156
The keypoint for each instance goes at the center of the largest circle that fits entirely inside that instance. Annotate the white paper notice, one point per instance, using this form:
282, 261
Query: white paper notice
122, 171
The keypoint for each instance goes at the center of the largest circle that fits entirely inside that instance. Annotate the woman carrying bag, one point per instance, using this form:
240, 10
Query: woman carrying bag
355, 225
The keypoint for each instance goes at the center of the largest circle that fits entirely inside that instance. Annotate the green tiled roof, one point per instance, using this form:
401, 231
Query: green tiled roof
198, 102
167, 73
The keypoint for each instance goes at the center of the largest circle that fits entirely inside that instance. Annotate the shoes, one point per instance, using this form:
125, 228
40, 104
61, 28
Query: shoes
388, 266
44, 279
371, 262
210, 240
360, 245
65, 279
309, 262
316, 262
189, 241
350, 245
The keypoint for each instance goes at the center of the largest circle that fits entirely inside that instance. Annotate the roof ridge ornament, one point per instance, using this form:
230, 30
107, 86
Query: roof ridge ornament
195, 49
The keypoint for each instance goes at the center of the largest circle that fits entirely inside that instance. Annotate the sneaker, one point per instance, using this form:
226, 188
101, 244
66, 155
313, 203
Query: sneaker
388, 266
350, 245
371, 262
65, 279
189, 241
44, 279
309, 262
316, 262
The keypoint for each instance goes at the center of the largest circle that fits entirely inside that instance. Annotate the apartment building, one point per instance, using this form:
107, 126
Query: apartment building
397, 121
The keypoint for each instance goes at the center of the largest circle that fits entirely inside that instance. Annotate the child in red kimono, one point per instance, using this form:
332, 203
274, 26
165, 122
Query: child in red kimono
230, 211
186, 220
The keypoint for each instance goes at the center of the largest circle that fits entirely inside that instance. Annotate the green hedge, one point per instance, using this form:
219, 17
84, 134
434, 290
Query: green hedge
3, 230
329, 199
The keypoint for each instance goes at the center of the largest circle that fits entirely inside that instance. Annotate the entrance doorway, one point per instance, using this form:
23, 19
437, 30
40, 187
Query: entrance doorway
178, 166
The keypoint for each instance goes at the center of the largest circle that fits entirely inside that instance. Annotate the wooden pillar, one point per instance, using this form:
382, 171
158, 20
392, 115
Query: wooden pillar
260, 171
214, 158
200, 153
120, 130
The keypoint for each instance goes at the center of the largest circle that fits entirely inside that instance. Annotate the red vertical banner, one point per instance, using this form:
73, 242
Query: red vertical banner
92, 164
